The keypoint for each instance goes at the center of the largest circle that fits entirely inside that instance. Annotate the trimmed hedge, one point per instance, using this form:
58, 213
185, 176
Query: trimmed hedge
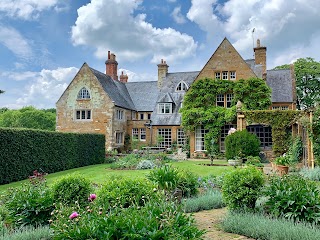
23, 150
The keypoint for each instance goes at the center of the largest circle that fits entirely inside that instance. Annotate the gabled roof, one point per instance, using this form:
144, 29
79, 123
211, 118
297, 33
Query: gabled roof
281, 83
165, 98
171, 81
116, 90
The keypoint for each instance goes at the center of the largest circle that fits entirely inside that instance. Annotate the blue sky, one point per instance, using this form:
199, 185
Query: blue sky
44, 43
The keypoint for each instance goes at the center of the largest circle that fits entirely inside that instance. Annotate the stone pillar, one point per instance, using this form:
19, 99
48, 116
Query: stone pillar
162, 72
260, 56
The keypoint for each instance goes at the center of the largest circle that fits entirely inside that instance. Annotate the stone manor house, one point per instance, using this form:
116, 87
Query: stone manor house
96, 102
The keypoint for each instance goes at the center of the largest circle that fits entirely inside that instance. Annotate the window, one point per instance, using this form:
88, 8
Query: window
84, 94
224, 75
220, 100
232, 75
200, 133
224, 133
142, 134
217, 75
164, 136
164, 108
181, 137
83, 114
135, 133
280, 108
182, 86
149, 116
229, 98
263, 133
120, 115
119, 137
141, 116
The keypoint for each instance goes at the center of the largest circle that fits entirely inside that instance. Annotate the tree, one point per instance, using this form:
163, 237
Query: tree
307, 72
1, 91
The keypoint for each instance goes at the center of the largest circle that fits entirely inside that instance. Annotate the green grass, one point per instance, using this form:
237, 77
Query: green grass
102, 172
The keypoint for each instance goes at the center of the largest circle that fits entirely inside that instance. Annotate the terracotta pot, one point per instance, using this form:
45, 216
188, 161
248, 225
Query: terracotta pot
281, 169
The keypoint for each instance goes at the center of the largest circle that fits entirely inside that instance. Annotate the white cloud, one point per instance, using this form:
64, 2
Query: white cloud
177, 15
112, 25
44, 88
286, 26
137, 77
27, 9
15, 42
171, 1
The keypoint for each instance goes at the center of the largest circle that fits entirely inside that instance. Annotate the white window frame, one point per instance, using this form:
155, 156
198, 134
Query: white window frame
83, 93
217, 75
225, 75
83, 115
164, 108
199, 139
143, 134
119, 138
135, 133
233, 75
166, 133
120, 114
220, 99
181, 87
181, 137
229, 98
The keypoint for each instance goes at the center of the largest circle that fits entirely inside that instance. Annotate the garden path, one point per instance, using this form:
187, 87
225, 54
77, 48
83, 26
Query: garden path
210, 220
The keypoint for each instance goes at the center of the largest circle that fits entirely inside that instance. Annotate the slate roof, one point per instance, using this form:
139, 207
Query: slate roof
143, 94
116, 90
256, 68
281, 84
171, 81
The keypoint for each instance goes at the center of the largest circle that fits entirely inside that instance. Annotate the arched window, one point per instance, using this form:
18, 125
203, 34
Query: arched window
182, 86
84, 94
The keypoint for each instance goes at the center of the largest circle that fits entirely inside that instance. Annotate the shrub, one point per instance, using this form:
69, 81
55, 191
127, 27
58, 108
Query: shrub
155, 220
208, 200
30, 204
111, 156
145, 164
72, 188
129, 161
254, 161
28, 233
293, 197
311, 174
210, 182
124, 193
242, 144
23, 151
241, 187
261, 227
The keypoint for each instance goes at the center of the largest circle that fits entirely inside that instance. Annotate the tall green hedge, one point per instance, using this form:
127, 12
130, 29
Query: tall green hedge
22, 151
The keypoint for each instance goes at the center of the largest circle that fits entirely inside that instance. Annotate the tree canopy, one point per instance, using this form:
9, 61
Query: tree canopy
1, 91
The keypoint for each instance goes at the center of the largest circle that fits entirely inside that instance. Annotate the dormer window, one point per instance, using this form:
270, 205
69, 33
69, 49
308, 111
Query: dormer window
182, 86
84, 94
164, 108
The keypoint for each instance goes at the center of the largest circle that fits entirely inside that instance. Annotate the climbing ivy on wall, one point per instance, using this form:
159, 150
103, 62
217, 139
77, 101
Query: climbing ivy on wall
279, 121
199, 105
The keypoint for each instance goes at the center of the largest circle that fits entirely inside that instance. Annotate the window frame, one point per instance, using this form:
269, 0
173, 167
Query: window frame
143, 133
181, 137
199, 136
217, 75
82, 115
233, 75
182, 87
166, 133
162, 107
120, 114
119, 136
83, 94
225, 75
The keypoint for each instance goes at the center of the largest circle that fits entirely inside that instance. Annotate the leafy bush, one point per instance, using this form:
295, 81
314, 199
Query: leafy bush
210, 182
28, 233
124, 193
30, 204
254, 161
208, 200
155, 220
111, 156
284, 160
129, 161
311, 174
293, 197
169, 178
72, 188
242, 144
295, 150
241, 187
23, 151
261, 227
145, 164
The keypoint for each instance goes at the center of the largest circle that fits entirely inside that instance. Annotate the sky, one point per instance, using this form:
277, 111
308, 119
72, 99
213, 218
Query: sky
44, 43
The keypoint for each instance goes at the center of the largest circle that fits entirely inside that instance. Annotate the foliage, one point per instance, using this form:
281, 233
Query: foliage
155, 220
242, 144
293, 197
210, 182
29, 204
295, 150
210, 199
29, 117
72, 188
169, 178
124, 193
316, 134
281, 67
111, 156
311, 174
145, 164
28, 233
307, 72
256, 226
279, 121
129, 161
23, 150
284, 160
254, 161
199, 105
241, 188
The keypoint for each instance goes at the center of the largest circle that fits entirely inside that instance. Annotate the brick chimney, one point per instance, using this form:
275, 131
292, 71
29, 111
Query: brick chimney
112, 66
162, 72
123, 77
260, 56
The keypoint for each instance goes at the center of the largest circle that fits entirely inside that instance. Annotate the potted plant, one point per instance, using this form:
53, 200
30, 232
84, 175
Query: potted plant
237, 161
282, 164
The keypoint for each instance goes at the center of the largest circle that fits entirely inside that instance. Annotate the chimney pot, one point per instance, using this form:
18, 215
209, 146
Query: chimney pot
108, 54
258, 43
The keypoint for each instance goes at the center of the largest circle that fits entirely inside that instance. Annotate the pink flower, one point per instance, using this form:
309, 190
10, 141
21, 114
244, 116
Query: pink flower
92, 197
73, 215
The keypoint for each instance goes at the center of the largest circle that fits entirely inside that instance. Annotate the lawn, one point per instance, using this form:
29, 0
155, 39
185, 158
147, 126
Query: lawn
99, 173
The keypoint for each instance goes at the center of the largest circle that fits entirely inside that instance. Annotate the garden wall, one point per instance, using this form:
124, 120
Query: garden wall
22, 151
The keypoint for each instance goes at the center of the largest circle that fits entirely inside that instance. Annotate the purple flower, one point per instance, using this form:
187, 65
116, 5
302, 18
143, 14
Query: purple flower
92, 197
73, 215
